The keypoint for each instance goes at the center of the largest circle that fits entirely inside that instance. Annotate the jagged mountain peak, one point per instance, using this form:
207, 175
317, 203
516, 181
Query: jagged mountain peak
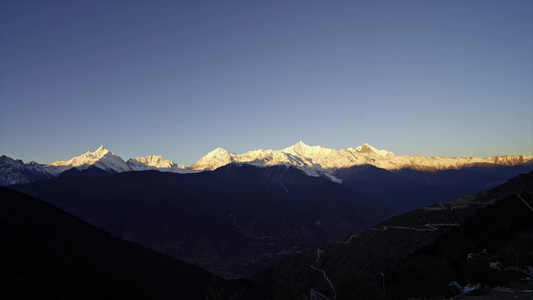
218, 150
149, 160
301, 145
367, 149
214, 159
219, 153
302, 149
98, 153
101, 158
13, 171
101, 150
153, 162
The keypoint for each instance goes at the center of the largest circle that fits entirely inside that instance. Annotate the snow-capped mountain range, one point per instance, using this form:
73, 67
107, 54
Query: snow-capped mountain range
100, 158
104, 159
323, 159
314, 160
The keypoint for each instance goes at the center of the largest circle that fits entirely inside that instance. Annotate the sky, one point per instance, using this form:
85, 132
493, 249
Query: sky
179, 78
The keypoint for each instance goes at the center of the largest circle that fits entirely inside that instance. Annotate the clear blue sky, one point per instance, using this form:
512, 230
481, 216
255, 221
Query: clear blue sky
178, 79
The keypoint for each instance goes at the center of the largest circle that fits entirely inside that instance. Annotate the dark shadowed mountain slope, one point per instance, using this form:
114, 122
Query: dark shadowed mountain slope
375, 250
492, 248
407, 189
232, 221
90, 171
46, 253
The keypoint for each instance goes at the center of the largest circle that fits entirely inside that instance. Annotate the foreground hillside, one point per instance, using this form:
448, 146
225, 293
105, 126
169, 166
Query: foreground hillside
46, 253
493, 248
372, 252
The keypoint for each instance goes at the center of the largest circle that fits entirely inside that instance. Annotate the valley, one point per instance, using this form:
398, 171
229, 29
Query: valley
234, 220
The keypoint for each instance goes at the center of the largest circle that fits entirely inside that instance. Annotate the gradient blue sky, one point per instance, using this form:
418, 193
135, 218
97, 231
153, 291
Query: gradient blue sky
178, 79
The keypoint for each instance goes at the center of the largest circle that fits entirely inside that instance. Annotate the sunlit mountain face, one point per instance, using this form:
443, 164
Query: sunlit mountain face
323, 159
314, 160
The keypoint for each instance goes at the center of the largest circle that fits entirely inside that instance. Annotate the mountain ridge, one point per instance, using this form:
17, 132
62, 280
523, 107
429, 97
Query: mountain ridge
314, 160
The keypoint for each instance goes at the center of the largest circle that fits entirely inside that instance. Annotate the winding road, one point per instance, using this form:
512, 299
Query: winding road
319, 251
